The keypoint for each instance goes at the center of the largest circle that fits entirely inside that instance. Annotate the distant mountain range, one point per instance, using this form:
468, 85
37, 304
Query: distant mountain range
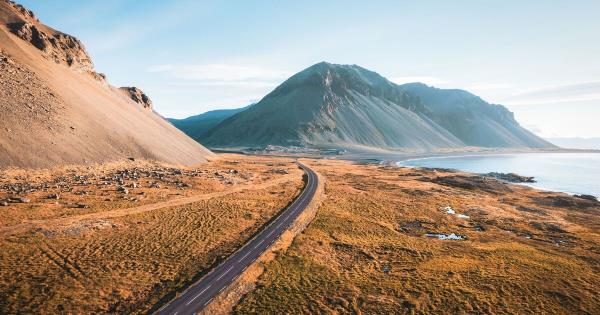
197, 126
346, 106
576, 143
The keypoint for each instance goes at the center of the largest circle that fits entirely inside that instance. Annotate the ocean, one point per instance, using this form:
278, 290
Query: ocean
573, 173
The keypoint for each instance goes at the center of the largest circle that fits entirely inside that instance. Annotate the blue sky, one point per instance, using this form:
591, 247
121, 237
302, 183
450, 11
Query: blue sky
539, 58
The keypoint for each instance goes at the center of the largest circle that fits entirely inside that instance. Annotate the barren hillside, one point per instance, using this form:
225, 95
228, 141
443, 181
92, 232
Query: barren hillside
55, 109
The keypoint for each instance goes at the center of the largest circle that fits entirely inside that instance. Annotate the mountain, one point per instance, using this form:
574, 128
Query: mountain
197, 126
577, 143
55, 109
345, 106
474, 121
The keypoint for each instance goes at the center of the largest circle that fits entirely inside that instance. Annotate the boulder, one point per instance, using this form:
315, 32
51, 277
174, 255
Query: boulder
123, 190
137, 96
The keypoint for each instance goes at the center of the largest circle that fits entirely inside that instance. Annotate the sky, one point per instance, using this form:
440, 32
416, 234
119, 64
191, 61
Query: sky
540, 58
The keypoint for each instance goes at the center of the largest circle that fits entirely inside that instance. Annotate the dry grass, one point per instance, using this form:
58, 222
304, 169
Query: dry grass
127, 263
525, 251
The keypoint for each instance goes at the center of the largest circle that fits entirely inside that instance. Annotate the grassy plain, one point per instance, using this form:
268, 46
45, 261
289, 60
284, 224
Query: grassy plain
99, 249
367, 251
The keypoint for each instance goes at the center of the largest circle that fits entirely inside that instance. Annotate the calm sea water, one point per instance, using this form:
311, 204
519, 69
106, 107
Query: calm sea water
574, 173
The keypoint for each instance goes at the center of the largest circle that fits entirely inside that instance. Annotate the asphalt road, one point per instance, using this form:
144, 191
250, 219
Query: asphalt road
198, 295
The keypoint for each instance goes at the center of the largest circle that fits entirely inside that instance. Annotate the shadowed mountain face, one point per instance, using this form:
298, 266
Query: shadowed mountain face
474, 121
197, 126
345, 106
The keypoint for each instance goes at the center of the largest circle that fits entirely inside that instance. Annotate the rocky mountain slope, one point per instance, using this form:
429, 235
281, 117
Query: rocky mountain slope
55, 109
474, 121
329, 105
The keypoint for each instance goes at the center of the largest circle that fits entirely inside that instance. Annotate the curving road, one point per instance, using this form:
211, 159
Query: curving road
199, 294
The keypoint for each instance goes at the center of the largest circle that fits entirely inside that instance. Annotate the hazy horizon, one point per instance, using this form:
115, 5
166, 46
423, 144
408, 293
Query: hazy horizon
537, 58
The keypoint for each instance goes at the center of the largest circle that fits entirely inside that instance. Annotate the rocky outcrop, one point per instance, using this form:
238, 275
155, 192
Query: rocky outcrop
57, 46
472, 183
62, 48
511, 177
21, 10
137, 96
587, 197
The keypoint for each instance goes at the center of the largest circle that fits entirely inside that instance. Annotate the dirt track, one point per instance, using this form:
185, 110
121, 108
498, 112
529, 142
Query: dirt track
61, 223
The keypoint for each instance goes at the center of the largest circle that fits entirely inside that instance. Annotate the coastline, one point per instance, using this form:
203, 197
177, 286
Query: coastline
573, 173
362, 155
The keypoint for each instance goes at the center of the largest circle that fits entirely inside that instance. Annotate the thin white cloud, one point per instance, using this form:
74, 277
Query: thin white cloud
578, 92
483, 86
422, 79
219, 73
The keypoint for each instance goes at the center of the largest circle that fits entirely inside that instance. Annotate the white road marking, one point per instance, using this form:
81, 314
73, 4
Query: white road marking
259, 244
248, 253
221, 276
195, 297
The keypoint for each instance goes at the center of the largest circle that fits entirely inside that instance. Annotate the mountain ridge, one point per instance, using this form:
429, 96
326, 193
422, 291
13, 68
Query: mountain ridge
330, 105
196, 126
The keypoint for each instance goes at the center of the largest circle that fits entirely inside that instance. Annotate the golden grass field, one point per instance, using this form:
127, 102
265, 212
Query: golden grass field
96, 249
367, 252
122, 252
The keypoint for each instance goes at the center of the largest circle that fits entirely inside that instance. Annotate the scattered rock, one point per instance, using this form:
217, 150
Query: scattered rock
3, 203
54, 196
449, 210
20, 200
479, 228
123, 190
444, 237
